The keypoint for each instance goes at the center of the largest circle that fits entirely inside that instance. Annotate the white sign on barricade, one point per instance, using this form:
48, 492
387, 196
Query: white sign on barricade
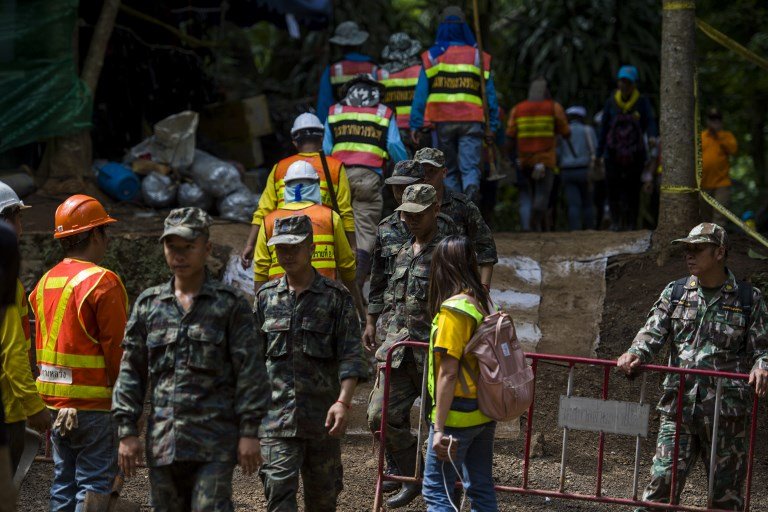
609, 416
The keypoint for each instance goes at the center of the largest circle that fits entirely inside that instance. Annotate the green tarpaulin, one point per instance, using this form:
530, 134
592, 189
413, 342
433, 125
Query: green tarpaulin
41, 95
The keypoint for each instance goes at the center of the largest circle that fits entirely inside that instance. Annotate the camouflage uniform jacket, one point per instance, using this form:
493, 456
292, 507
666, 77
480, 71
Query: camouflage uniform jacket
406, 312
710, 337
470, 222
391, 235
311, 343
207, 381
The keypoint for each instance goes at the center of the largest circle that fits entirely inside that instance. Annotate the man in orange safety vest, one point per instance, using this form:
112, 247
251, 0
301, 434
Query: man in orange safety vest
81, 311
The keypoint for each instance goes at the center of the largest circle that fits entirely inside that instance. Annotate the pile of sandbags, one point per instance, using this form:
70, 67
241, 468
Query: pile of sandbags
175, 173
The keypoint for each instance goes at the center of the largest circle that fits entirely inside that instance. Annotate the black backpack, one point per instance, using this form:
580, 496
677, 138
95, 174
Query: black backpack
625, 139
744, 290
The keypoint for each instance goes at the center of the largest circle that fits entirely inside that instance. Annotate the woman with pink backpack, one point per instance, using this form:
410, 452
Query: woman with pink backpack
460, 436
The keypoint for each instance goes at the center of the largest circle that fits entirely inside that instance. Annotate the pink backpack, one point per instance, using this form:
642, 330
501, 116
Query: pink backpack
505, 380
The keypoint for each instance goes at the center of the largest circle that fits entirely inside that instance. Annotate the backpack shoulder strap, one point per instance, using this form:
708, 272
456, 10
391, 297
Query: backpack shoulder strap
678, 290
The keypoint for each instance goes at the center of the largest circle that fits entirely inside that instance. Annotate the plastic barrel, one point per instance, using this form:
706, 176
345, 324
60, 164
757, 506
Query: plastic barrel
118, 181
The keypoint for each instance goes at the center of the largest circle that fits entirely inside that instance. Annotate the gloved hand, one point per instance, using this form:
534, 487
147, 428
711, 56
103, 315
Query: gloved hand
539, 171
66, 421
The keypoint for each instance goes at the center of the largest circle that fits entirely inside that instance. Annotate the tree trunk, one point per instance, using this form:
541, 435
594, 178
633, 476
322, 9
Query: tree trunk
67, 158
678, 212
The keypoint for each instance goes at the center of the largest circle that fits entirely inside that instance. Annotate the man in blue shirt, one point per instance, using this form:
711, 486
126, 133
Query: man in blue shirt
448, 94
350, 38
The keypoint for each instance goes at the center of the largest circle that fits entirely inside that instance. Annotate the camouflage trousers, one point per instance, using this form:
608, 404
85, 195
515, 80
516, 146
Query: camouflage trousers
695, 441
192, 486
318, 461
404, 388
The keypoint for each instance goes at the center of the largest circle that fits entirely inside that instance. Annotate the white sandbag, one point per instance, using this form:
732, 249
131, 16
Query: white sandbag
158, 191
215, 176
190, 194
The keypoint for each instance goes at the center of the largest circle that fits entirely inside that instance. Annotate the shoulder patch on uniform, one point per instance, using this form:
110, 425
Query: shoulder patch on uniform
458, 196
331, 283
152, 291
389, 219
227, 288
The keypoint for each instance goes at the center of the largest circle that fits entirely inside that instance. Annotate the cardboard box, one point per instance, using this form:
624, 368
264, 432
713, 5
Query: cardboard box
231, 130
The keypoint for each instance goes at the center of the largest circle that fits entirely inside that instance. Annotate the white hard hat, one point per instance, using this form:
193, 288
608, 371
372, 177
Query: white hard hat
576, 110
301, 170
9, 198
306, 121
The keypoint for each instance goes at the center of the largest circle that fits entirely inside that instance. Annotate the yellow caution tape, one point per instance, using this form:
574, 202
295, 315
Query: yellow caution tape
733, 218
678, 6
729, 43
709, 199
678, 189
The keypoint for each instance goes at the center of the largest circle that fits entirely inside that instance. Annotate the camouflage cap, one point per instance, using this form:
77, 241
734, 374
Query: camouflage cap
418, 198
705, 233
188, 223
291, 230
430, 156
406, 172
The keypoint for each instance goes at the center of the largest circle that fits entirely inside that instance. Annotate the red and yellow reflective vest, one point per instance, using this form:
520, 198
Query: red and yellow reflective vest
360, 134
400, 89
324, 257
334, 169
454, 84
72, 365
343, 71
535, 121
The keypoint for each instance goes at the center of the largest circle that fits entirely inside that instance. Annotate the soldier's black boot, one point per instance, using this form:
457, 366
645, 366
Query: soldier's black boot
391, 469
406, 464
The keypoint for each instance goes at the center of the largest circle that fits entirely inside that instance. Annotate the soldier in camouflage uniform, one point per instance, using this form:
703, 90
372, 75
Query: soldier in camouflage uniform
710, 326
391, 235
405, 315
461, 210
191, 342
309, 328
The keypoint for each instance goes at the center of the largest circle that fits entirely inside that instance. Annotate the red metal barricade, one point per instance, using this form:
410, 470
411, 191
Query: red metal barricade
606, 365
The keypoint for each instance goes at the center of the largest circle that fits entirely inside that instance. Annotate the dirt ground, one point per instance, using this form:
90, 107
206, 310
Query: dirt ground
632, 284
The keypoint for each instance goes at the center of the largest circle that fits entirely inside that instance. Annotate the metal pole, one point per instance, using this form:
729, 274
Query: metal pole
601, 442
638, 441
676, 450
751, 454
568, 393
421, 418
713, 448
529, 427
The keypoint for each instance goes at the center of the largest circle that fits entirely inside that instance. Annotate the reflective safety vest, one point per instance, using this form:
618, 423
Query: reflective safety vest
343, 71
535, 121
464, 412
360, 134
454, 84
334, 169
400, 89
324, 257
71, 361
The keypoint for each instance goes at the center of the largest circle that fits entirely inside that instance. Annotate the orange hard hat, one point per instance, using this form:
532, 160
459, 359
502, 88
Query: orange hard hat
78, 214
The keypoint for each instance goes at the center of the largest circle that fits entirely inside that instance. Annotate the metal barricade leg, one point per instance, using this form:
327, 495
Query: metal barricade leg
713, 448
676, 449
601, 442
751, 457
378, 498
421, 421
638, 440
568, 392
529, 427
